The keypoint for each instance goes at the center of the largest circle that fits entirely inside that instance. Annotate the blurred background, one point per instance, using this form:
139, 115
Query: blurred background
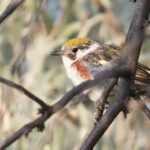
27, 37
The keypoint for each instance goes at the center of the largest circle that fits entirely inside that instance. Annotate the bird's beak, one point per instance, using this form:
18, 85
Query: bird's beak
58, 53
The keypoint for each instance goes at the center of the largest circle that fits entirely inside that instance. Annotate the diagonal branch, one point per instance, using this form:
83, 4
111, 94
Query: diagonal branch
135, 34
25, 91
10, 9
96, 133
100, 104
110, 73
39, 122
143, 106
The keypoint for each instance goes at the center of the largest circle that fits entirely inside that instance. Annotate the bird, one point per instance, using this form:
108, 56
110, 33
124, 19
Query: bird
83, 58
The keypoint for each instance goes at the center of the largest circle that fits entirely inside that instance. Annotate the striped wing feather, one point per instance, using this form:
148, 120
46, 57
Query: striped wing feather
107, 53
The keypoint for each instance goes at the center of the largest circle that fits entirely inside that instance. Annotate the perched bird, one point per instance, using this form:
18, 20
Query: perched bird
83, 58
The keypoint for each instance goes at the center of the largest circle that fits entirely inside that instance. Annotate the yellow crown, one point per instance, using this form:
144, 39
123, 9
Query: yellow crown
77, 41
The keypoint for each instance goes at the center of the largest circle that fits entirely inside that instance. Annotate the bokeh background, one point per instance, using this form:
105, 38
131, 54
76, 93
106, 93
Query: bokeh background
27, 37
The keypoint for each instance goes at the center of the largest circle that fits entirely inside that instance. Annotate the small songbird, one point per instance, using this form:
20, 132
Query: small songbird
83, 58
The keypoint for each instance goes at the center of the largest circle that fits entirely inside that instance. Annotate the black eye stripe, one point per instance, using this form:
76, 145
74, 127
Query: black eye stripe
75, 49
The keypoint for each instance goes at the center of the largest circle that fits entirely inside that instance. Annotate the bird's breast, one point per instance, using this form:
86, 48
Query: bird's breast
81, 69
77, 71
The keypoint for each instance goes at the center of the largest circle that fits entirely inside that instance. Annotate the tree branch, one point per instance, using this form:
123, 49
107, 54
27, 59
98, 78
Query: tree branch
39, 122
143, 106
25, 91
130, 57
100, 104
10, 9
135, 34
96, 133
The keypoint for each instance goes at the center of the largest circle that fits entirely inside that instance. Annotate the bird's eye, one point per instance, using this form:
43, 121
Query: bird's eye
74, 50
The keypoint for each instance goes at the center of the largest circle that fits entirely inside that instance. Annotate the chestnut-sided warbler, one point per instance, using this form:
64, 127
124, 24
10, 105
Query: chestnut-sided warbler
83, 58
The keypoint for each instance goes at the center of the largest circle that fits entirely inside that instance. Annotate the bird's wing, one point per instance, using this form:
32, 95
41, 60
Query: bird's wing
142, 74
105, 54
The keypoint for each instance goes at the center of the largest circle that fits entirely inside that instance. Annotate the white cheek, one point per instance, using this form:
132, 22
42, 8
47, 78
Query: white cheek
67, 62
71, 72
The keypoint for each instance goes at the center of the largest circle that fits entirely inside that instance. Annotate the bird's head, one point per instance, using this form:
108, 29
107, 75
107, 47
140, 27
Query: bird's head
75, 49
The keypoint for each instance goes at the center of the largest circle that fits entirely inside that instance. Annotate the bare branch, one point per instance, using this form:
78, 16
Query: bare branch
100, 104
96, 133
110, 73
10, 9
25, 91
136, 33
39, 122
130, 57
26, 129
143, 107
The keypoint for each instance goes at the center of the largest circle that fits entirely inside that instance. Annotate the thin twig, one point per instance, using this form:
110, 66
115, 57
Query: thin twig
25, 91
143, 107
10, 9
26, 129
100, 104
